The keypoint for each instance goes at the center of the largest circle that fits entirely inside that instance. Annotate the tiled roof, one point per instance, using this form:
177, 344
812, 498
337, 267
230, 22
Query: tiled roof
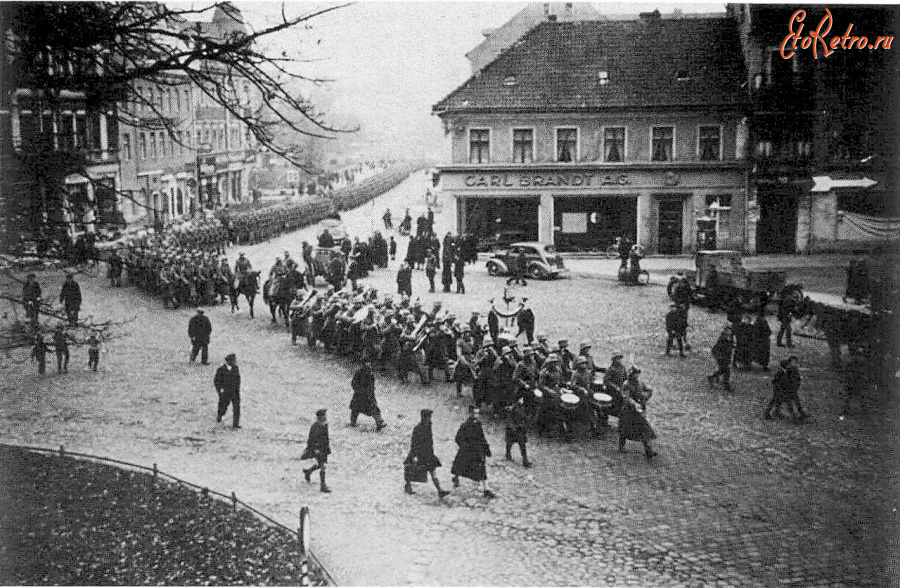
556, 67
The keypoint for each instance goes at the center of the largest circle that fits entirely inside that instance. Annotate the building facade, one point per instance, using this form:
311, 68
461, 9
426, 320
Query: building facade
825, 132
586, 131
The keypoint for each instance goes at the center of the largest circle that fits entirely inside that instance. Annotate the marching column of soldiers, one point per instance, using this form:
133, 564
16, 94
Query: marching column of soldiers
255, 226
556, 391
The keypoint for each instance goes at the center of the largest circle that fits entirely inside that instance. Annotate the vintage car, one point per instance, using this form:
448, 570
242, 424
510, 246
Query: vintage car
721, 278
500, 240
542, 261
322, 258
335, 228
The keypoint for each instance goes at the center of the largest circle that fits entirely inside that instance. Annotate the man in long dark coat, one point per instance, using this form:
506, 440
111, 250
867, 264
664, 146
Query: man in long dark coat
318, 447
473, 451
70, 296
525, 320
199, 331
517, 432
761, 336
722, 353
31, 295
228, 384
421, 453
363, 401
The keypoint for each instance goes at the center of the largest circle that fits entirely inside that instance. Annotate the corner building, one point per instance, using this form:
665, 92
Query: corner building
584, 131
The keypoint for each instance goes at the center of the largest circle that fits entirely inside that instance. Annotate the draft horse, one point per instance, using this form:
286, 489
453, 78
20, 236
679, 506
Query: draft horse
246, 285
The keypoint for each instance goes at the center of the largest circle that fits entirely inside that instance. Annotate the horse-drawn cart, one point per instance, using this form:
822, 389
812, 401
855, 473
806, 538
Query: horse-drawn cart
720, 279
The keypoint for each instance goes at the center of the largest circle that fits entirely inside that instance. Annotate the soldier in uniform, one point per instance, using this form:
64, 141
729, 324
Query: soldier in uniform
516, 432
318, 447
483, 389
465, 360
224, 280
613, 381
722, 353
566, 357
581, 384
676, 328
242, 266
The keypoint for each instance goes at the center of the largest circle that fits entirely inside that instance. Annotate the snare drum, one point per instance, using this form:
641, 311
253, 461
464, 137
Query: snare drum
569, 400
602, 400
538, 394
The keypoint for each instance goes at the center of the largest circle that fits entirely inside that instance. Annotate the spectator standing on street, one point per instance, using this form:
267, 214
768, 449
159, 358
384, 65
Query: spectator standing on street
787, 304
39, 354
115, 269
61, 345
624, 250
404, 279
761, 336
519, 270
199, 331
364, 401
722, 352
525, 320
459, 271
676, 328
70, 295
431, 263
421, 453
318, 447
31, 296
228, 384
473, 452
785, 385
93, 352
392, 248
447, 272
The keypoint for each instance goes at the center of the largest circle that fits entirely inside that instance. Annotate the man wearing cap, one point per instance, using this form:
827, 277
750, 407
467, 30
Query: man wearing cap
477, 329
228, 384
431, 264
566, 357
504, 382
318, 447
722, 353
516, 432
199, 331
485, 359
541, 349
633, 426
363, 401
525, 320
470, 461
31, 296
70, 296
614, 380
421, 453
581, 384
585, 352
525, 378
404, 279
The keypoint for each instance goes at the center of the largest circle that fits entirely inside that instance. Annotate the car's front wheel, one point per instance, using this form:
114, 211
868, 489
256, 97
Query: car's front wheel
493, 269
536, 272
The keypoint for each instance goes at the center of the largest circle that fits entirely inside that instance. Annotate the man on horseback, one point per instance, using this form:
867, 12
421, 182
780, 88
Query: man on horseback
242, 266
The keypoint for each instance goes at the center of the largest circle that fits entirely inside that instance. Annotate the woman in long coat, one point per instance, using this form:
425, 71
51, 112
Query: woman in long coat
473, 451
363, 401
421, 454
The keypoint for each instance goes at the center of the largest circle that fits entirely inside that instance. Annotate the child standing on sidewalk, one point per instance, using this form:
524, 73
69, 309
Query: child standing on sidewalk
39, 354
93, 353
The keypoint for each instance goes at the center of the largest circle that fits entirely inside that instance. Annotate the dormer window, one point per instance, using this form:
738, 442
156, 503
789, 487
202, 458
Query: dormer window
603, 76
510, 81
682, 76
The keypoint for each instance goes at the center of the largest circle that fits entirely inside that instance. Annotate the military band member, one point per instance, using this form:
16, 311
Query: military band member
318, 447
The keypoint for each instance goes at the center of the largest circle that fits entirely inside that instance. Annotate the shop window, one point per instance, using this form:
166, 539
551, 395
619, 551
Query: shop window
614, 144
479, 146
523, 145
566, 145
710, 143
718, 207
663, 143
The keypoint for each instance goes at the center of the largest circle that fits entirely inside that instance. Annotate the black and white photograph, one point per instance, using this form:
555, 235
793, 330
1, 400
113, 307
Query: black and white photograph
449, 294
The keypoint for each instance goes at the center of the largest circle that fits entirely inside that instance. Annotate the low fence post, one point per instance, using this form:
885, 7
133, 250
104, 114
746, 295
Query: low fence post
62, 451
303, 536
234, 500
155, 471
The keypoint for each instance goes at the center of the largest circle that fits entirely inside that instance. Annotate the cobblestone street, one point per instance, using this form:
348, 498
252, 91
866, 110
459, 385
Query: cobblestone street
731, 500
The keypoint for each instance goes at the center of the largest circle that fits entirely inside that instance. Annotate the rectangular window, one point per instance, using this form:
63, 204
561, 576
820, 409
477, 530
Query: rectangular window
163, 144
126, 146
479, 146
566, 145
153, 145
710, 143
614, 144
67, 132
152, 99
28, 129
663, 143
142, 145
169, 99
81, 132
523, 145
199, 138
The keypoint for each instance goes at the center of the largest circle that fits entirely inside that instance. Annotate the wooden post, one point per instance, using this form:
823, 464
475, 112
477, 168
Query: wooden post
303, 536
155, 471
62, 451
234, 500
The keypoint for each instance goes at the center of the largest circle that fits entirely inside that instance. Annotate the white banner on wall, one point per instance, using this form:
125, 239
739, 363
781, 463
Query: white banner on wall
574, 222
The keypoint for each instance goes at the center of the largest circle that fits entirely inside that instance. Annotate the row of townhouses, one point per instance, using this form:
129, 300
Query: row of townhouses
682, 132
165, 153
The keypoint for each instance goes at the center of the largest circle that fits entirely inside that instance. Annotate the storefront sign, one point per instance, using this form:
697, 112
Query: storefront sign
575, 180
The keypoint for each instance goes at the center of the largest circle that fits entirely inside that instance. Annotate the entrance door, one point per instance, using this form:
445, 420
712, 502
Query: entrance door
777, 228
670, 225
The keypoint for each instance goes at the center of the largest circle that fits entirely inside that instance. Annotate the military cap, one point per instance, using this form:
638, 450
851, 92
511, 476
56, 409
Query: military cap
617, 354
580, 360
563, 343
542, 337
552, 358
506, 349
528, 350
586, 344
426, 412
